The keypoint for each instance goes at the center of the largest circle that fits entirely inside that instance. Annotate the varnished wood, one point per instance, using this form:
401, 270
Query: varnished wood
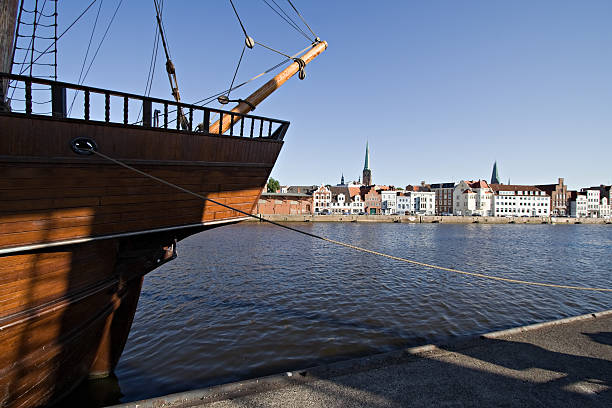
65, 312
51, 202
266, 90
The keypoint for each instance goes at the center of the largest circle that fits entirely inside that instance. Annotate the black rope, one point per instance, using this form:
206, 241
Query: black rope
236, 72
93, 31
304, 21
100, 44
272, 49
239, 20
65, 31
151, 73
291, 23
34, 102
39, 25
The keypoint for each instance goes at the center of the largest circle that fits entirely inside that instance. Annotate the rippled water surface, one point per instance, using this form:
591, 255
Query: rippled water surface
252, 299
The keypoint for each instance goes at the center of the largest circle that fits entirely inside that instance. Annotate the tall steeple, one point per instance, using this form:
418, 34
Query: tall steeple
367, 173
494, 175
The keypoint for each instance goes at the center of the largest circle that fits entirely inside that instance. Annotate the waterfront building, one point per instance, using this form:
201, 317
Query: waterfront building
519, 201
321, 200
444, 197
284, 203
494, 175
372, 200
593, 201
388, 201
472, 198
404, 203
346, 200
605, 193
416, 202
367, 172
559, 198
578, 204
604, 208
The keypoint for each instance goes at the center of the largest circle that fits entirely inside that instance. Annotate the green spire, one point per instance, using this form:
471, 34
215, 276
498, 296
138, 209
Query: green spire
366, 166
494, 175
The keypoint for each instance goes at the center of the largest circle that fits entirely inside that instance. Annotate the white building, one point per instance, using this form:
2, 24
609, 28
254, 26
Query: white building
578, 205
604, 208
519, 201
416, 202
388, 201
346, 200
593, 201
472, 198
321, 200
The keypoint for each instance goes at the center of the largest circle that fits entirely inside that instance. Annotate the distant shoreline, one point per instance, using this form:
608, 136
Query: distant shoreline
432, 219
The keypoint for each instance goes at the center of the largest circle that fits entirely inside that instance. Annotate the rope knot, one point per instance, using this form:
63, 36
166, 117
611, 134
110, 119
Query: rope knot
301, 67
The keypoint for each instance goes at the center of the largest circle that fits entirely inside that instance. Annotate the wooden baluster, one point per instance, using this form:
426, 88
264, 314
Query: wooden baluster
147, 112
231, 124
241, 126
28, 96
178, 117
206, 121
220, 121
269, 128
165, 115
260, 127
107, 107
87, 105
125, 110
252, 125
190, 119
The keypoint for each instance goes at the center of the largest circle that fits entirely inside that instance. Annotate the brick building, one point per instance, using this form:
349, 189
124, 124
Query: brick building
559, 198
284, 203
444, 197
372, 200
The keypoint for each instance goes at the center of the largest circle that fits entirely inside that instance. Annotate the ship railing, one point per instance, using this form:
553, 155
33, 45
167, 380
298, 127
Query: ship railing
31, 96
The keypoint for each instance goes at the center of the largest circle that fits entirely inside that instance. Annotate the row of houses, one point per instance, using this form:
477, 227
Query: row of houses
467, 197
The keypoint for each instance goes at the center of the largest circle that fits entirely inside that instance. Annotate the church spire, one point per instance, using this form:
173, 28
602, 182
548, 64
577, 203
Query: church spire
367, 173
494, 175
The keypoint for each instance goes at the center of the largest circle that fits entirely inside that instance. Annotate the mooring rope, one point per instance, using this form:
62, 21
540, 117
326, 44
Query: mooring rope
344, 244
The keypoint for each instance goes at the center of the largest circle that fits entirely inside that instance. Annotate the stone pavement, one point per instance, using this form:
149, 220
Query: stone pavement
562, 363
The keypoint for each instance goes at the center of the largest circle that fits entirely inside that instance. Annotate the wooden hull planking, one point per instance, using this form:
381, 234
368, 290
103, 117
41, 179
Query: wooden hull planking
77, 235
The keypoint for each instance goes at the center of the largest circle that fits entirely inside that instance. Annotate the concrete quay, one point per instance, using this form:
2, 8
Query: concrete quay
563, 363
431, 219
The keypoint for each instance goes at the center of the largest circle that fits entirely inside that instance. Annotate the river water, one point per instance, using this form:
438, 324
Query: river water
252, 299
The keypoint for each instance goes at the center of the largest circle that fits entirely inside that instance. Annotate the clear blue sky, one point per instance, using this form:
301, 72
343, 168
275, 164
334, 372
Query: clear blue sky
440, 89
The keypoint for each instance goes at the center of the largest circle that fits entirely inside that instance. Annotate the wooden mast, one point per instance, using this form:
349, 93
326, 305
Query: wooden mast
272, 85
8, 16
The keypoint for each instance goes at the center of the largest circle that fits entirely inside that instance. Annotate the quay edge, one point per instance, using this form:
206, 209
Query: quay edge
430, 219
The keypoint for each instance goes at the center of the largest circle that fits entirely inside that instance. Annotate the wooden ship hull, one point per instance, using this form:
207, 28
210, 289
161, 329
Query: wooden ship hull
78, 233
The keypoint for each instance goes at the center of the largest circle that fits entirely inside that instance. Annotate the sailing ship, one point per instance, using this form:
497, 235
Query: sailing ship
78, 233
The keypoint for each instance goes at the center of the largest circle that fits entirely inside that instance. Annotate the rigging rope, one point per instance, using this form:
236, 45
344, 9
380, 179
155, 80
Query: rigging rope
240, 21
343, 244
62, 34
236, 72
304, 21
93, 30
290, 21
98, 49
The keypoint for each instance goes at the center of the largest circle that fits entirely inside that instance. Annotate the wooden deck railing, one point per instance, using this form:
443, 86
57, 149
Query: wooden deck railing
41, 97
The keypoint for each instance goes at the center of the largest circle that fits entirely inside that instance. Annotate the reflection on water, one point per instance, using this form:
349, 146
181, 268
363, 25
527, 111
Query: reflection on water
249, 300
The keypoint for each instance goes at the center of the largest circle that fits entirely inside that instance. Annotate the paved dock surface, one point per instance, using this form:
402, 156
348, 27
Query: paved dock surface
566, 363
